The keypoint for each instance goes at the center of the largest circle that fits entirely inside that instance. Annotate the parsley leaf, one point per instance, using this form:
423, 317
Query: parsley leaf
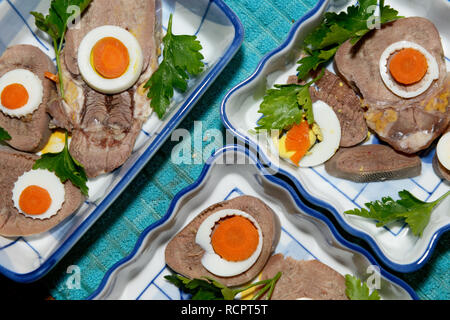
181, 58
55, 24
323, 42
4, 135
280, 107
414, 212
210, 289
358, 290
286, 105
65, 167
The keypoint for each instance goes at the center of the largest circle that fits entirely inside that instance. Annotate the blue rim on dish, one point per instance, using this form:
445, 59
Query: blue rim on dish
143, 159
411, 267
277, 181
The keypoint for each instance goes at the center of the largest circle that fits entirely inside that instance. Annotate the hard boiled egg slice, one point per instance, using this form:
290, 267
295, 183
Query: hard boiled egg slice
110, 59
310, 151
443, 150
21, 93
407, 68
55, 143
38, 194
330, 128
232, 240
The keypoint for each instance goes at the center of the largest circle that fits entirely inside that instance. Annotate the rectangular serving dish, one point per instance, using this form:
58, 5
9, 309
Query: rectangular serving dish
394, 244
26, 259
230, 172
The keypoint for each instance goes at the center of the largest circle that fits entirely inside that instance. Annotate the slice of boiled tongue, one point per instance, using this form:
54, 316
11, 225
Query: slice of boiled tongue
31, 132
183, 255
303, 279
407, 124
12, 223
105, 127
370, 163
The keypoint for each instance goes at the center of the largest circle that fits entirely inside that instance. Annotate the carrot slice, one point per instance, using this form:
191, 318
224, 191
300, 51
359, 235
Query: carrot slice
235, 238
408, 66
51, 76
110, 58
34, 200
297, 139
14, 96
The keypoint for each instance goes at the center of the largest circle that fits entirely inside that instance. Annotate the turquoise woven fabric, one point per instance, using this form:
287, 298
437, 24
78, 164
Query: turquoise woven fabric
147, 199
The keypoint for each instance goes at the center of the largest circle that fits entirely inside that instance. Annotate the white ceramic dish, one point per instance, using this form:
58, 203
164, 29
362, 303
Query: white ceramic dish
26, 259
395, 245
230, 172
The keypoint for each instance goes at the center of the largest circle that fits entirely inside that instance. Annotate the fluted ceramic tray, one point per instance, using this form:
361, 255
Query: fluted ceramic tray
395, 245
230, 172
26, 259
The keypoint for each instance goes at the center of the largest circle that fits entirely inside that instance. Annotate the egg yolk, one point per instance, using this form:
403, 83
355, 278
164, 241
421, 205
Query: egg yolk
34, 200
408, 66
110, 58
14, 96
297, 139
235, 238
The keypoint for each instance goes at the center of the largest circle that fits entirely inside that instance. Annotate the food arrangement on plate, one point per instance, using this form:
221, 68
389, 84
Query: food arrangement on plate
391, 79
232, 243
239, 232
353, 108
107, 83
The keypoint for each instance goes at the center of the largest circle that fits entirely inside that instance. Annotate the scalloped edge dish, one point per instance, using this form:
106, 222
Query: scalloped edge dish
229, 172
26, 259
394, 244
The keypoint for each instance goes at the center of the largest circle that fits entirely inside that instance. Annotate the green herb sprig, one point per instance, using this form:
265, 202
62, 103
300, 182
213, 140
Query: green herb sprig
181, 58
355, 289
55, 25
286, 105
324, 41
210, 289
65, 167
4, 135
414, 212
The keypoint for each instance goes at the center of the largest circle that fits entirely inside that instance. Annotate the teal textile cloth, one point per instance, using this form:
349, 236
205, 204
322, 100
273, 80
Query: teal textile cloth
113, 236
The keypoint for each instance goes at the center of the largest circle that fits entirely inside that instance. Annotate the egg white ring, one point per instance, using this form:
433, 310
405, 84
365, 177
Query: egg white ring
427, 80
443, 150
95, 80
44, 179
330, 127
211, 260
31, 83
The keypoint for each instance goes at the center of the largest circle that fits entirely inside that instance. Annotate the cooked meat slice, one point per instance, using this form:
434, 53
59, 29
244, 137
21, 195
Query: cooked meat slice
12, 223
141, 18
413, 128
183, 255
304, 279
293, 79
101, 151
375, 162
408, 125
105, 127
345, 103
29, 133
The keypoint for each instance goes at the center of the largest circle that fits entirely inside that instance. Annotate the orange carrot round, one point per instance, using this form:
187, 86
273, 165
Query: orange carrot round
110, 58
34, 200
297, 139
14, 96
408, 66
51, 76
235, 238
